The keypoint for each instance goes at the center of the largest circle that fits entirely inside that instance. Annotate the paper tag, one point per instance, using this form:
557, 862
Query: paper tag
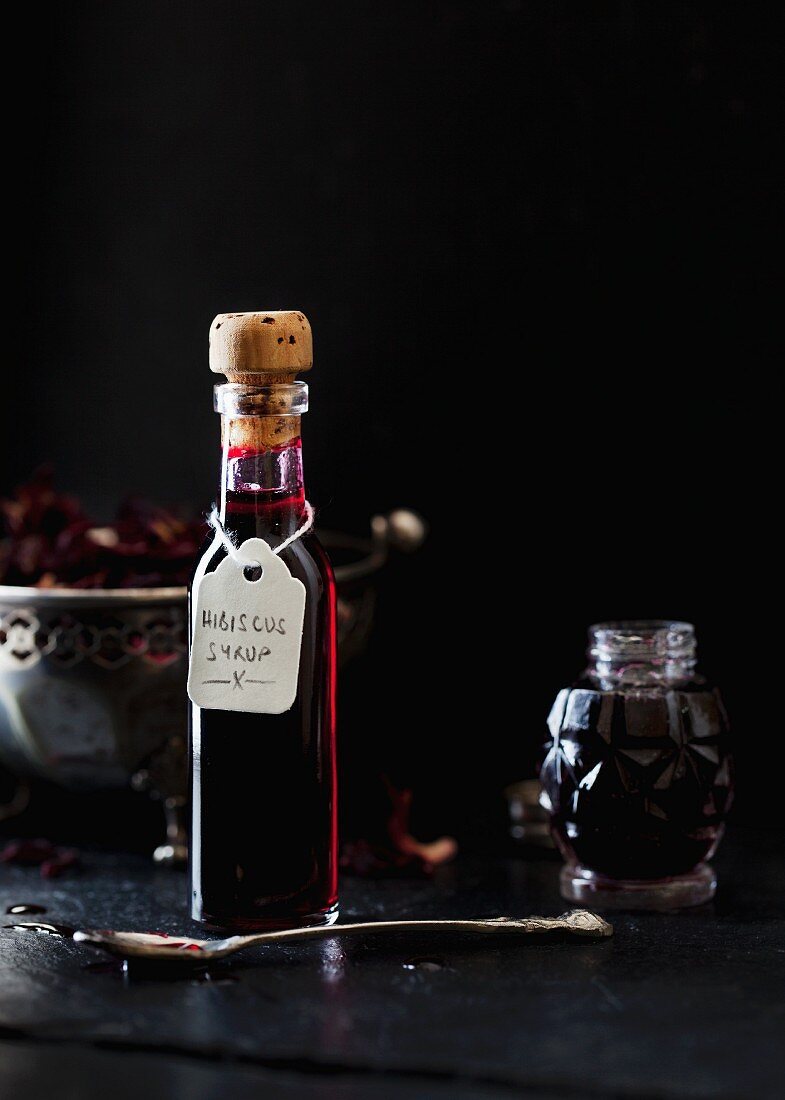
246, 635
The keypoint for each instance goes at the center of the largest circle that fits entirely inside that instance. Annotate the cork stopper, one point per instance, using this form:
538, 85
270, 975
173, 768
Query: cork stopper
261, 348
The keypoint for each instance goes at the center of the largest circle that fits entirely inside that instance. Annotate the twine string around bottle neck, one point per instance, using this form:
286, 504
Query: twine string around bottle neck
229, 540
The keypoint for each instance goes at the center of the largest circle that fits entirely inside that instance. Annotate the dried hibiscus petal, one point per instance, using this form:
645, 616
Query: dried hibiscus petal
392, 849
52, 860
48, 540
28, 853
63, 860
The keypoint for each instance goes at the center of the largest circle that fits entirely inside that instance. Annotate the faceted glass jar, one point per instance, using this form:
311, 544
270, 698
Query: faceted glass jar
638, 775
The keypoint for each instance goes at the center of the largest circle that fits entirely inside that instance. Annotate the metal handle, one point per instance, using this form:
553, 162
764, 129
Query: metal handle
579, 922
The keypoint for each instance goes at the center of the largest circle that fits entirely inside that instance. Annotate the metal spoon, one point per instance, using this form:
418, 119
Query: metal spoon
157, 946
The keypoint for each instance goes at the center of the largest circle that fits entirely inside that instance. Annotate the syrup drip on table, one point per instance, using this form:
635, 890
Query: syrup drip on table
44, 928
428, 963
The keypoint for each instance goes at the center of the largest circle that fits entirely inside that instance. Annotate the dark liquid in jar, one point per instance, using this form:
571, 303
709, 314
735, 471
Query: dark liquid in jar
639, 781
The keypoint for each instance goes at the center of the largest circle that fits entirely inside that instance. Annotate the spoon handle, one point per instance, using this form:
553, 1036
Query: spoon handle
579, 922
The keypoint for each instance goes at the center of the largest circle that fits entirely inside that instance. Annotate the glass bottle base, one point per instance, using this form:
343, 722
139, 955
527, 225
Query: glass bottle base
586, 887
250, 924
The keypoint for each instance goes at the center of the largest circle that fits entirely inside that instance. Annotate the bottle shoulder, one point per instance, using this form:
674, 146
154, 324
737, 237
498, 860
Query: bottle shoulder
309, 556
305, 558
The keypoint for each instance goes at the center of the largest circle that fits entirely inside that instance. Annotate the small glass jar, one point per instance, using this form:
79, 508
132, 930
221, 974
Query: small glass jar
638, 776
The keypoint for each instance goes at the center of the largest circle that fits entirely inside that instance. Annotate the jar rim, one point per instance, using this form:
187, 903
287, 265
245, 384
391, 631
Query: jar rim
628, 628
643, 647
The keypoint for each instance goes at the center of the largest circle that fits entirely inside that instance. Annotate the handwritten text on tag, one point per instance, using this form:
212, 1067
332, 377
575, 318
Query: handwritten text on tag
246, 634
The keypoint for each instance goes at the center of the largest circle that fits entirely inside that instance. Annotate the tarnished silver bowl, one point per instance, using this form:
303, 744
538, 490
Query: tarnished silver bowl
92, 682
91, 693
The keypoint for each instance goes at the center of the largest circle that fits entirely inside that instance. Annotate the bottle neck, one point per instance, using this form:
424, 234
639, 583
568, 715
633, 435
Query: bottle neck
261, 492
642, 654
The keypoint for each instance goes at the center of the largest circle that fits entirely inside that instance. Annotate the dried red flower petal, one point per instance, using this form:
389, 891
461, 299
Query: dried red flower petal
63, 860
40, 852
395, 851
48, 540
27, 853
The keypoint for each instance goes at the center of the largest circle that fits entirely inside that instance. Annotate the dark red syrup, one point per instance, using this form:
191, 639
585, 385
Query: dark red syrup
264, 843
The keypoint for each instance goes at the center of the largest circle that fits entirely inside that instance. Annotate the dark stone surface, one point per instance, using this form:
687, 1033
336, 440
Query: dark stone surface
682, 1005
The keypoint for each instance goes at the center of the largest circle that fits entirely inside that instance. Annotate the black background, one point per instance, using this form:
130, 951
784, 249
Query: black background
540, 246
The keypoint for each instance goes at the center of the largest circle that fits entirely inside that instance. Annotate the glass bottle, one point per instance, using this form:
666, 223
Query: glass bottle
263, 851
638, 775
